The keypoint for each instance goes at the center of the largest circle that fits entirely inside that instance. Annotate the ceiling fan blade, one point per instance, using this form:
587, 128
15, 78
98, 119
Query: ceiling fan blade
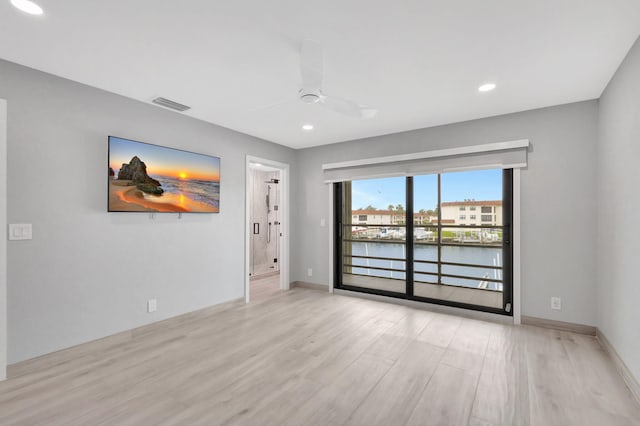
347, 107
311, 64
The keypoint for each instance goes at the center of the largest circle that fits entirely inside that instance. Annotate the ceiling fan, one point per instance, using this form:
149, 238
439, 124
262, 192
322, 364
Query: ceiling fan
312, 70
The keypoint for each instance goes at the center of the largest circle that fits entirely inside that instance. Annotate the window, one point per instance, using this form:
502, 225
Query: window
486, 209
442, 261
362, 218
472, 208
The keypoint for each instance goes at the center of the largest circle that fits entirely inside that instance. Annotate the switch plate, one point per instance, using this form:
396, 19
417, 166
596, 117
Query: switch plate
152, 305
323, 222
556, 303
309, 272
20, 231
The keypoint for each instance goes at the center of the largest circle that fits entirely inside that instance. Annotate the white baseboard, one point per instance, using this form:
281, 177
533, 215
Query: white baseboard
631, 382
312, 286
560, 325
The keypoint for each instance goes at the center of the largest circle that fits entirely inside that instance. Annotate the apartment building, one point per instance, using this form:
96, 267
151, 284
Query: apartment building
475, 213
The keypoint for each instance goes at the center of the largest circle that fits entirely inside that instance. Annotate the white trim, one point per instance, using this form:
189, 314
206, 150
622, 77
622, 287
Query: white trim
572, 327
329, 223
285, 227
473, 149
3, 240
247, 235
517, 305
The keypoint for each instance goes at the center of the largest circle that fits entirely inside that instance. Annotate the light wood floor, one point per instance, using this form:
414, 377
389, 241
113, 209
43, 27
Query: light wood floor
304, 357
263, 287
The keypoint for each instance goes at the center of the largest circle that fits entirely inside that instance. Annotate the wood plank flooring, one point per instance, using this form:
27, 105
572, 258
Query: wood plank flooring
263, 287
304, 357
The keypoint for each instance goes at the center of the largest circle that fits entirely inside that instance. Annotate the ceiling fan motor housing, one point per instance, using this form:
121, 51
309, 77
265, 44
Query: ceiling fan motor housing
309, 96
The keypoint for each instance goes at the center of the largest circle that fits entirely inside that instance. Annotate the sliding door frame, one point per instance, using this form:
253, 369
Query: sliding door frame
508, 228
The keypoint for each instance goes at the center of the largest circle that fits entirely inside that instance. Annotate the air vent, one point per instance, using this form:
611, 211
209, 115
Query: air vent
170, 104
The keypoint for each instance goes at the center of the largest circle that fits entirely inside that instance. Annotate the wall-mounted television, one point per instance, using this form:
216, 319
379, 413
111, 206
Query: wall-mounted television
151, 178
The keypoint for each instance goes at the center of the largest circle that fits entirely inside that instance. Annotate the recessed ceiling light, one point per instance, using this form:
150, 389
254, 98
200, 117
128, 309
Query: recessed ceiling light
27, 6
487, 87
307, 127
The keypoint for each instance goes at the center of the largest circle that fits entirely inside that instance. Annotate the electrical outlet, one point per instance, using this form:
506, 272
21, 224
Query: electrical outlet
20, 231
152, 305
556, 303
309, 272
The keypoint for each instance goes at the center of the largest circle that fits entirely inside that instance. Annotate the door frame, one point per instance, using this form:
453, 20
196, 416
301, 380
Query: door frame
3, 242
284, 228
516, 296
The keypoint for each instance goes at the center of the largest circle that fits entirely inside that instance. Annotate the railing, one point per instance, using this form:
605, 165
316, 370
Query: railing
445, 272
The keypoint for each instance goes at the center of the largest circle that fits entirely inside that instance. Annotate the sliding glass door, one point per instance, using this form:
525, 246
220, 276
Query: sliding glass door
373, 238
459, 250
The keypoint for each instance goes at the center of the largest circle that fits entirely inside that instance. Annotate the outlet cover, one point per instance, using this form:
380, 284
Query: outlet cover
309, 272
152, 305
556, 303
20, 231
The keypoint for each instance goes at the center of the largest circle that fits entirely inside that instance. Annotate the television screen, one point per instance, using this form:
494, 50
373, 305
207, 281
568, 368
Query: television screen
152, 178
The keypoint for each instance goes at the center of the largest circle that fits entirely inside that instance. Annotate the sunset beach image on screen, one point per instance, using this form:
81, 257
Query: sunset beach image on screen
151, 178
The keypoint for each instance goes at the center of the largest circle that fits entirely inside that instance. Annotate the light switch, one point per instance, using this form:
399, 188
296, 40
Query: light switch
20, 231
323, 222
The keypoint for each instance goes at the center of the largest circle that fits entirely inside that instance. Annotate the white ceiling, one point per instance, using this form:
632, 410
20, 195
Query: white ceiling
418, 61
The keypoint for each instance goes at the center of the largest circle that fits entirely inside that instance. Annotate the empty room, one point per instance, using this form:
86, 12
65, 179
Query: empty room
319, 213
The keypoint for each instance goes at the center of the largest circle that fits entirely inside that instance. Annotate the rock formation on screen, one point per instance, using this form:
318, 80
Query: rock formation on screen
136, 172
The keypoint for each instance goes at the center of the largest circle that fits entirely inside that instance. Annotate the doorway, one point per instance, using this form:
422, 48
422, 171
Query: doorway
266, 262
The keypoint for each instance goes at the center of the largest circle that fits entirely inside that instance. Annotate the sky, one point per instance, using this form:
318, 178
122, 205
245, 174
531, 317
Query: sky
161, 161
457, 186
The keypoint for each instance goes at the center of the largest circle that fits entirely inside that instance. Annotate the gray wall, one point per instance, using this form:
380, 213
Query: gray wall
619, 202
558, 202
88, 273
